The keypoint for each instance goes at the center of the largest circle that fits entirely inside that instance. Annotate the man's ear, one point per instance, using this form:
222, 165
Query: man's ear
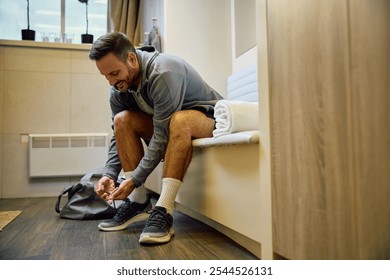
132, 58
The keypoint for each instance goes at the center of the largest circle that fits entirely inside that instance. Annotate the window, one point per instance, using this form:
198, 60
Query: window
53, 20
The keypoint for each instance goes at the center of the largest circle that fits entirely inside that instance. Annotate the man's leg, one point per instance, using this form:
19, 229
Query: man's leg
184, 126
130, 127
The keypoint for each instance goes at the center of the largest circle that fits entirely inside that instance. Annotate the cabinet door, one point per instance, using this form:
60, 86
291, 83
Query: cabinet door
329, 65
370, 75
314, 212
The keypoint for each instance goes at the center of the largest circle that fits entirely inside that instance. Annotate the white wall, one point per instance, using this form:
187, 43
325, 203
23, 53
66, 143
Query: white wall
200, 32
45, 90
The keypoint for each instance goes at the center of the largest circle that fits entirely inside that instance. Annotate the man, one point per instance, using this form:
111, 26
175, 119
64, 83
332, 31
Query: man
161, 99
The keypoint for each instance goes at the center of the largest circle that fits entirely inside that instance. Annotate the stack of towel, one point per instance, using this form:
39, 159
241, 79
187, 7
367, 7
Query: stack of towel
235, 116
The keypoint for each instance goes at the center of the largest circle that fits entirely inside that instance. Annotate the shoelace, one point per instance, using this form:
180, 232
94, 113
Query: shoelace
158, 218
123, 208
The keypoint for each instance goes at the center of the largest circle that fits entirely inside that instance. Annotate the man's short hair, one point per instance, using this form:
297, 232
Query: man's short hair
116, 42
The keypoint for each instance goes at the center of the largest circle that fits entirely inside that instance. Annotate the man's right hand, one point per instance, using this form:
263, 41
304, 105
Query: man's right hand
105, 187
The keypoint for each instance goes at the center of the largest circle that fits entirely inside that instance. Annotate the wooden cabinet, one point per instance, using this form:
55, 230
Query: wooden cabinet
329, 102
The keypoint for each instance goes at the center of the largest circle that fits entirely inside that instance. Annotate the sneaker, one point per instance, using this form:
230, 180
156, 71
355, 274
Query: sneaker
158, 228
128, 213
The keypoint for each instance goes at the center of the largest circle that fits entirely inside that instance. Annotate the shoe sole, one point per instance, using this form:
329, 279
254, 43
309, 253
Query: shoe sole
137, 218
146, 239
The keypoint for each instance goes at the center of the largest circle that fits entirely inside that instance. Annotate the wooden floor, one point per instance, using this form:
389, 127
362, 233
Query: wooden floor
38, 233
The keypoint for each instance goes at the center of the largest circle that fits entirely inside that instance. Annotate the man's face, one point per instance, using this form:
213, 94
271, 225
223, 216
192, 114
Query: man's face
121, 75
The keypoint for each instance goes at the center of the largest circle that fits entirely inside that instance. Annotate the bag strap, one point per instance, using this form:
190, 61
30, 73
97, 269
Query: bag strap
70, 190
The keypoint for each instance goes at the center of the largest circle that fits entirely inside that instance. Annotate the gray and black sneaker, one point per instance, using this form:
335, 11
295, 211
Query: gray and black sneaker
158, 228
128, 213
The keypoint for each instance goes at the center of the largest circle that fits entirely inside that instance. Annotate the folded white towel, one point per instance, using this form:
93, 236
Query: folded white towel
235, 116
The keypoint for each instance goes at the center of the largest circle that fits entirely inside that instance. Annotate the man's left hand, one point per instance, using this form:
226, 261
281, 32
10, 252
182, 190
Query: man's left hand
123, 191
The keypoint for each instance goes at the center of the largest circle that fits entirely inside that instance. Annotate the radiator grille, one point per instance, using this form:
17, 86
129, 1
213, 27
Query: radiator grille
55, 155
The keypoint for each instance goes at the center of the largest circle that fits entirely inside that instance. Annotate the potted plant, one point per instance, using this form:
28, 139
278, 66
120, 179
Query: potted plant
86, 38
28, 34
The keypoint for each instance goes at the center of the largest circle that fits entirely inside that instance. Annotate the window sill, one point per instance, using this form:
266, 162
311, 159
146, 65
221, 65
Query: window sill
49, 45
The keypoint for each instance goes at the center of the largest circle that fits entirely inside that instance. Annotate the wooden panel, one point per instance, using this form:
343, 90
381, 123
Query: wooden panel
370, 45
313, 205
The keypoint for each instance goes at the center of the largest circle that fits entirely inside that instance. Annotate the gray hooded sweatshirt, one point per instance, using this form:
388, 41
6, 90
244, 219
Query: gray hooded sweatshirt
168, 84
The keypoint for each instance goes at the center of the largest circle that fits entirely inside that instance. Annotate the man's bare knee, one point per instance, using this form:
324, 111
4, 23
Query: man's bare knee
179, 125
121, 119
191, 122
134, 121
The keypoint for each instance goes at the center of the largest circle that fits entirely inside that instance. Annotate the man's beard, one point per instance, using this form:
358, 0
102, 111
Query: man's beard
121, 86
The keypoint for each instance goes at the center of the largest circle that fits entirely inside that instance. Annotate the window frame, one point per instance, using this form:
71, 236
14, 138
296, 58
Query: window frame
62, 23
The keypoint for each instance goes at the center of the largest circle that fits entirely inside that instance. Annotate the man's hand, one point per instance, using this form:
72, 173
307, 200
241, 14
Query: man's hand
123, 191
105, 187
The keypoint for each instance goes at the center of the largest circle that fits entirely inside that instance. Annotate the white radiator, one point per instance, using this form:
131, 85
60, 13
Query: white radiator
55, 155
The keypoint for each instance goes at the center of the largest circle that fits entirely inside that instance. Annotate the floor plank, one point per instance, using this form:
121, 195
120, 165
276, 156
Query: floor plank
38, 233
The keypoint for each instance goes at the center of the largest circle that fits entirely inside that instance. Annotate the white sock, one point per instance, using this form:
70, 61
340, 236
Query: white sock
139, 194
169, 190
